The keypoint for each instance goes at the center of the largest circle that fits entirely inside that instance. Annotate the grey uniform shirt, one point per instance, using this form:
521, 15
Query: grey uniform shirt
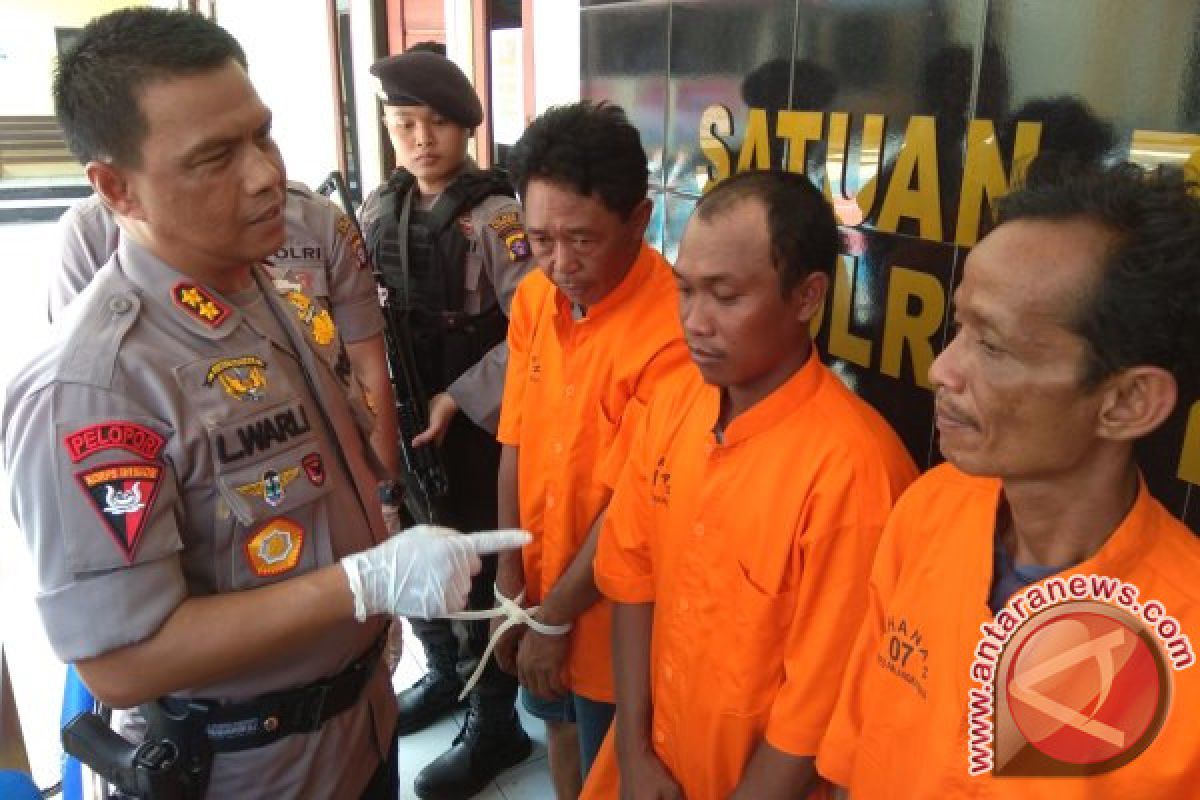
322, 255
172, 442
497, 258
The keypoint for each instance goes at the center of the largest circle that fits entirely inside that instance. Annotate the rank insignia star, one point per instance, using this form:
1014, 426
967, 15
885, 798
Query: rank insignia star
270, 487
200, 304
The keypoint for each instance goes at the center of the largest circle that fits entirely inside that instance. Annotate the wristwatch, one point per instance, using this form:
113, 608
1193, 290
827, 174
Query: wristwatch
391, 493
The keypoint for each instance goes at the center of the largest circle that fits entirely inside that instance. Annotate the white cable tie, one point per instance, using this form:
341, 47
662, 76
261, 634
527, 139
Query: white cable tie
515, 615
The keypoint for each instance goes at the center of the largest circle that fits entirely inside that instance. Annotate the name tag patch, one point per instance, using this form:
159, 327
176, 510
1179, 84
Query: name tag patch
262, 434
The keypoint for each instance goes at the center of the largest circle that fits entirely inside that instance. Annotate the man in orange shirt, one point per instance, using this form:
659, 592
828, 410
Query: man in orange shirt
739, 539
591, 334
1077, 319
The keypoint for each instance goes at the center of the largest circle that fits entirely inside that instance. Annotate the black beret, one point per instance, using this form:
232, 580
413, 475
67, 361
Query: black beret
423, 78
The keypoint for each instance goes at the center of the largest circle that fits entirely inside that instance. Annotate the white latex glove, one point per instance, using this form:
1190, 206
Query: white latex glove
424, 571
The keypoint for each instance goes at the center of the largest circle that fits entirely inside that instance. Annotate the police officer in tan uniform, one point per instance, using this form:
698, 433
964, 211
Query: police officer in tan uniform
187, 462
323, 256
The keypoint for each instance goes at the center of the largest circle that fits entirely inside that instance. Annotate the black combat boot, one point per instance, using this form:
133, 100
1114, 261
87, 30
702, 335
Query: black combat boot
436, 693
491, 741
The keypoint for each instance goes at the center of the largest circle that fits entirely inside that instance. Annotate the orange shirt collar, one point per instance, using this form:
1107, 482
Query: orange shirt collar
645, 262
1132, 539
764, 414
1130, 542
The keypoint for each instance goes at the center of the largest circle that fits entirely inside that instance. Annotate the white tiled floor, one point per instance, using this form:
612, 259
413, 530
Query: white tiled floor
527, 781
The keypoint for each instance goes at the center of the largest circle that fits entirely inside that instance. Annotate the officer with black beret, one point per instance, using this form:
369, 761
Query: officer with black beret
450, 246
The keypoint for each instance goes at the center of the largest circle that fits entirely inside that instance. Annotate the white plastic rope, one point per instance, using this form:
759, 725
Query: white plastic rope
516, 615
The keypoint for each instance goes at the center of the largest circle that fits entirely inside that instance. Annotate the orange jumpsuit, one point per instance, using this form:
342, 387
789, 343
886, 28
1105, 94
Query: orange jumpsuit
901, 727
574, 392
755, 551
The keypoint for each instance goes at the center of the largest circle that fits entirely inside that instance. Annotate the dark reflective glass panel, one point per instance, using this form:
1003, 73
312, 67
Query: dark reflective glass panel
624, 60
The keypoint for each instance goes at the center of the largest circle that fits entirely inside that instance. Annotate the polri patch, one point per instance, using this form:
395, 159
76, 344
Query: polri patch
114, 435
275, 546
242, 378
271, 486
200, 304
123, 495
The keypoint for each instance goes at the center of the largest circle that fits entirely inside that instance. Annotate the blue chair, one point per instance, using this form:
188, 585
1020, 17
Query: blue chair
18, 786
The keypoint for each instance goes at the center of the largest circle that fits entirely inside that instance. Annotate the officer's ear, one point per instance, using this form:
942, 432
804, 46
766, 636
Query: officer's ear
114, 189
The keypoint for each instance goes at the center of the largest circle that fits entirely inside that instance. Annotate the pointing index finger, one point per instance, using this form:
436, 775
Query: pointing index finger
488, 542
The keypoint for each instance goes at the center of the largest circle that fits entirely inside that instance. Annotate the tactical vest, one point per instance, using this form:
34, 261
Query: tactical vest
421, 257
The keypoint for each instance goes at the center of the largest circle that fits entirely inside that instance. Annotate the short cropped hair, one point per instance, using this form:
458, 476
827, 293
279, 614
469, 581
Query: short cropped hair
100, 77
1144, 307
589, 148
800, 222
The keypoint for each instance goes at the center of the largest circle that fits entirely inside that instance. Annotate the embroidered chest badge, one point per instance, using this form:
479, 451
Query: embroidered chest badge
274, 547
200, 304
314, 468
242, 378
271, 486
123, 495
508, 227
315, 318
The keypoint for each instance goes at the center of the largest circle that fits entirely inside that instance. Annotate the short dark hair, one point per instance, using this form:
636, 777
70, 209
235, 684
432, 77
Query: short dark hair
800, 222
98, 79
1144, 307
590, 148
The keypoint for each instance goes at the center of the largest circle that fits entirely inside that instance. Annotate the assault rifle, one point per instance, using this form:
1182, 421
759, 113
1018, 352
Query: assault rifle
425, 482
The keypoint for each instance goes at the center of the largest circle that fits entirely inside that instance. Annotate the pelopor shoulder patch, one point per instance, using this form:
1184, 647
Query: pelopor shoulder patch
113, 435
123, 495
275, 546
200, 304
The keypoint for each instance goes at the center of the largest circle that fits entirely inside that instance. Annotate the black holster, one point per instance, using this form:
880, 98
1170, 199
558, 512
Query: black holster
163, 767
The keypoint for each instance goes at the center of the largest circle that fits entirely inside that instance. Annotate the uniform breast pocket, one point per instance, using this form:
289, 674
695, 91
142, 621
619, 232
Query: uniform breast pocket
276, 517
755, 640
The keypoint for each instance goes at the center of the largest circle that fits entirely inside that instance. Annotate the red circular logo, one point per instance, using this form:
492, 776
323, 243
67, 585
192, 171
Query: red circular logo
1086, 685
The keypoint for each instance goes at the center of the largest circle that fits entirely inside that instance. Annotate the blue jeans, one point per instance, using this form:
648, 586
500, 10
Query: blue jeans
591, 719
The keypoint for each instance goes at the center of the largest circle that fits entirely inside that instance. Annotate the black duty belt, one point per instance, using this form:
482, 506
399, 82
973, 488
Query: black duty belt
269, 717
